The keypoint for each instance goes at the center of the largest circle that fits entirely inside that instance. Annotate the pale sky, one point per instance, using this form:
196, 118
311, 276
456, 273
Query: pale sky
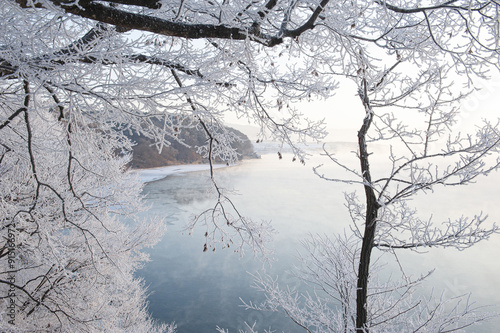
344, 113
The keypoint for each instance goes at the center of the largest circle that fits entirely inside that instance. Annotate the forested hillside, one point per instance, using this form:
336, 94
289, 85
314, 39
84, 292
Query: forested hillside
146, 155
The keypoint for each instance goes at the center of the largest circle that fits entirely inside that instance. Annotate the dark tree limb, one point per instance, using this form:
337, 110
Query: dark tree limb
12, 117
269, 5
128, 20
153, 4
134, 21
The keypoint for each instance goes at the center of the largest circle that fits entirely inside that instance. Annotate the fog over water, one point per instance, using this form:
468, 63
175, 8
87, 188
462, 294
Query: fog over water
200, 290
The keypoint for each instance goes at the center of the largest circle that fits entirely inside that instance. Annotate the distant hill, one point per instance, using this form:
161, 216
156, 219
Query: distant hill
145, 154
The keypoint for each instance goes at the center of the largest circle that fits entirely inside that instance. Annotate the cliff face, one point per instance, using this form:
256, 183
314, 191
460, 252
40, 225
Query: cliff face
145, 154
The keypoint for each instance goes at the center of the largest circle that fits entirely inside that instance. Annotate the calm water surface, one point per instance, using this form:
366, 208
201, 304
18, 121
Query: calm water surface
201, 290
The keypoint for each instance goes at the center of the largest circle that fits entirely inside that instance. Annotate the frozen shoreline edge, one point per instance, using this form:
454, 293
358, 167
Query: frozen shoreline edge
154, 174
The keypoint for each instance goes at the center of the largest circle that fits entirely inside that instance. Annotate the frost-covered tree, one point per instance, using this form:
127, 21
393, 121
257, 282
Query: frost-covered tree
76, 76
67, 259
413, 122
411, 105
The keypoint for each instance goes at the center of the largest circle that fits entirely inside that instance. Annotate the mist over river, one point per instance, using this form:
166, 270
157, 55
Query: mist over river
201, 290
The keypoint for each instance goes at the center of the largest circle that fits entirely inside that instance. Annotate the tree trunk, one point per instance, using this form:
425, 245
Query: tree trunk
372, 207
364, 264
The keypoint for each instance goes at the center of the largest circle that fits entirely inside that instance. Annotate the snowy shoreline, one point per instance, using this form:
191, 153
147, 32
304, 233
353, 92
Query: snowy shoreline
153, 174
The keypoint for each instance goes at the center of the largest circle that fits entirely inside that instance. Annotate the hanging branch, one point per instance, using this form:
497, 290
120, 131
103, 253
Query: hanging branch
248, 232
